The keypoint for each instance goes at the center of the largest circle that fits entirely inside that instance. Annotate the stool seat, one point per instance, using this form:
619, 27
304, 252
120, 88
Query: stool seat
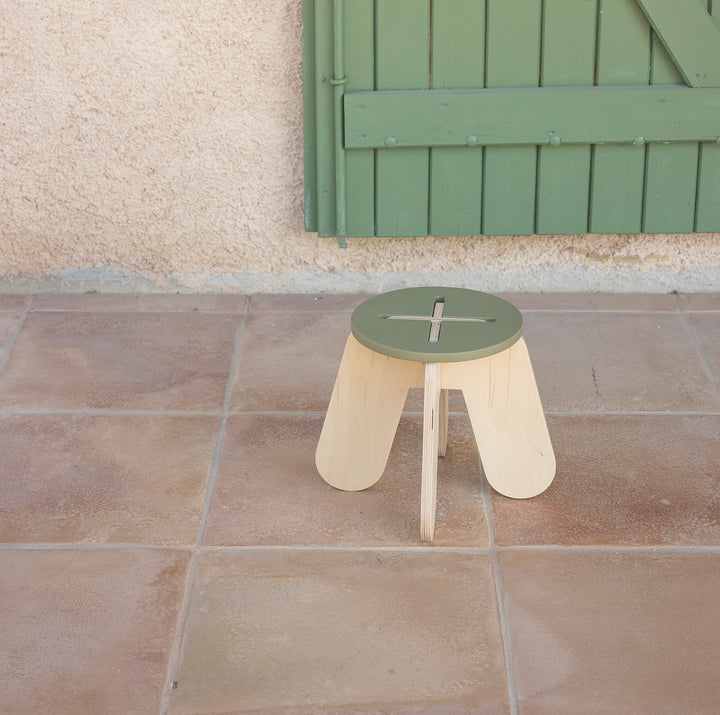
438, 339
470, 324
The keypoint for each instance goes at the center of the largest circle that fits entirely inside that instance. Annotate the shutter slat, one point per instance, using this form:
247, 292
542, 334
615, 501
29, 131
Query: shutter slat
325, 118
708, 201
360, 72
564, 171
309, 116
708, 198
513, 60
458, 61
403, 62
618, 172
671, 169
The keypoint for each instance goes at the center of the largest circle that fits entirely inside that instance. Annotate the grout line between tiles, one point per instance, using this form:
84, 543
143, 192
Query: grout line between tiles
197, 551
263, 311
582, 413
610, 549
398, 548
270, 413
70, 546
576, 311
631, 311
135, 311
593, 413
698, 349
321, 413
111, 413
500, 597
347, 311
473, 550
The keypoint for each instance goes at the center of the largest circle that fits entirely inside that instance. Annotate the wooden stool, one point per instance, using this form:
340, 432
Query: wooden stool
439, 339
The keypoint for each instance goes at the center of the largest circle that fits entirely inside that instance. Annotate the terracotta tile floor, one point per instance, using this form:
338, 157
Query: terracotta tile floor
166, 545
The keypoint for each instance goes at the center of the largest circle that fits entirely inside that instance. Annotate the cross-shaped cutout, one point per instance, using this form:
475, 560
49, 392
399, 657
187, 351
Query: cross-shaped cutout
437, 319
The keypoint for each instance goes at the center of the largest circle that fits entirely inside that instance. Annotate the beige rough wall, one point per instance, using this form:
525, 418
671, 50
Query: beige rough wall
158, 146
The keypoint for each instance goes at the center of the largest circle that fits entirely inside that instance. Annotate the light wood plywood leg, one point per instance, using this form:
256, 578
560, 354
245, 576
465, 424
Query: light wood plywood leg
443, 427
431, 423
508, 421
363, 415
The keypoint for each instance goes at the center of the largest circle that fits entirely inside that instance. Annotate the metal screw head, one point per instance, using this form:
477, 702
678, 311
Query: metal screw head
390, 141
555, 139
639, 141
471, 140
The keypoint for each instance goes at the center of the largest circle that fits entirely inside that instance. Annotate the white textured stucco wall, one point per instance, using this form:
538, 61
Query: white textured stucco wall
158, 146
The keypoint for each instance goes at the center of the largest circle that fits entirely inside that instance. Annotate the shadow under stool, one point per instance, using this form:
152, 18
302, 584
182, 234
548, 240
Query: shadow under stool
439, 339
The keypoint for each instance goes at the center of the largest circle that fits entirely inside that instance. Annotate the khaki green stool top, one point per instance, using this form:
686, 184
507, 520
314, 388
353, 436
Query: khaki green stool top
440, 339
436, 324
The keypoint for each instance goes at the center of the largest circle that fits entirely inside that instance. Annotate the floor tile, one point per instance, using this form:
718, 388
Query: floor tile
699, 301
594, 301
88, 631
290, 302
141, 361
121, 302
319, 630
707, 330
623, 480
625, 633
268, 490
617, 362
288, 361
104, 479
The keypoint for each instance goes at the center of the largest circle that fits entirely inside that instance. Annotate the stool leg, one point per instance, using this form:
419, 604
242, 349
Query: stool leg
508, 421
431, 423
363, 415
443, 428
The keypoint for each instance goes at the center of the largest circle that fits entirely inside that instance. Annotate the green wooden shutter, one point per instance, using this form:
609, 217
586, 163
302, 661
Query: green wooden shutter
511, 117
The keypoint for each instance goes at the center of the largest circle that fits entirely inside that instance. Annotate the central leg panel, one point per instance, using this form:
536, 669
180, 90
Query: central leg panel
431, 433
